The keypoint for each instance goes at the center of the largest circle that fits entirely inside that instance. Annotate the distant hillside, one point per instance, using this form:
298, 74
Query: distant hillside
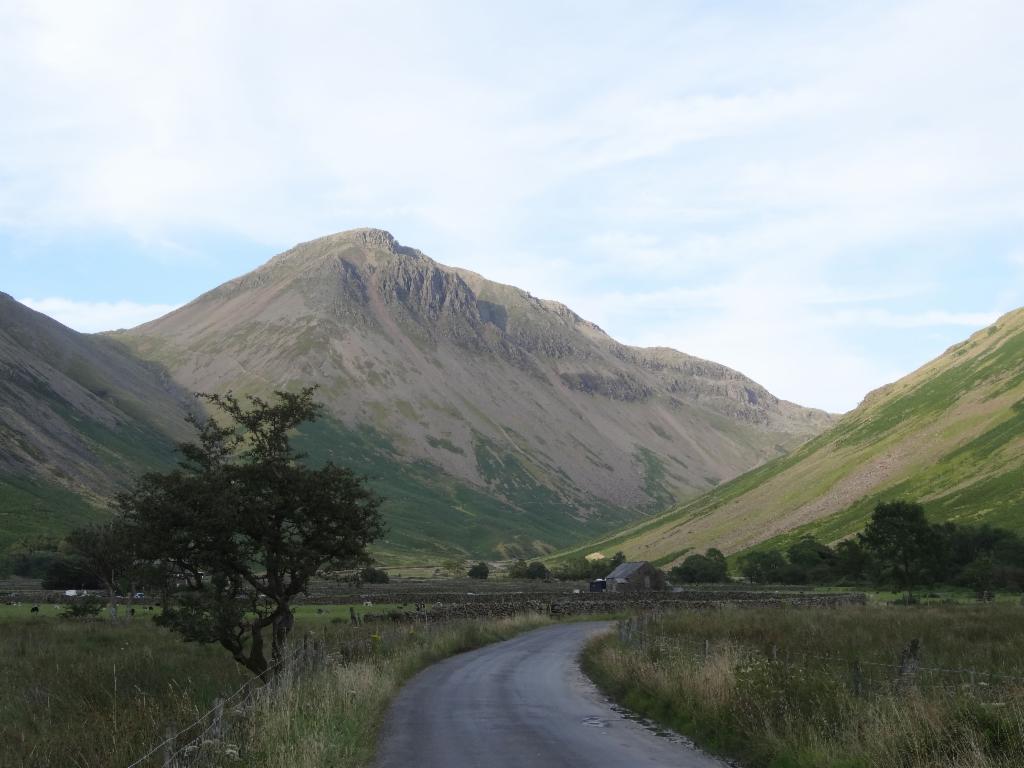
496, 423
79, 415
950, 435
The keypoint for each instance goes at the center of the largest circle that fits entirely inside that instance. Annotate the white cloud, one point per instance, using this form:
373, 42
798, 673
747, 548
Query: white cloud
696, 176
92, 317
882, 318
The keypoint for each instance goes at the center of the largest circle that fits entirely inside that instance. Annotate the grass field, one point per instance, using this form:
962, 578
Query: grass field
779, 688
92, 694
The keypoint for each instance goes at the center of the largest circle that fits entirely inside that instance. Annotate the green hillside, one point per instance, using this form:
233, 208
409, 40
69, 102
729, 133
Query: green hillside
950, 435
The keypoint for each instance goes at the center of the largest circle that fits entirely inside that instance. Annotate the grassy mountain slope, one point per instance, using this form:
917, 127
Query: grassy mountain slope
500, 423
951, 435
78, 416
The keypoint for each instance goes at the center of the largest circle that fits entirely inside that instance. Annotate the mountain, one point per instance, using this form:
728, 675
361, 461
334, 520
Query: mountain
495, 422
950, 435
79, 415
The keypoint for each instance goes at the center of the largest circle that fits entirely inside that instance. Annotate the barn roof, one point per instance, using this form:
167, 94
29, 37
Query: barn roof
625, 570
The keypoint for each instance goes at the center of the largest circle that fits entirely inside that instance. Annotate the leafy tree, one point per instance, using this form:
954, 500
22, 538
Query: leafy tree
851, 560
763, 567
107, 552
979, 574
479, 571
69, 573
537, 570
371, 575
519, 569
814, 559
709, 568
31, 557
616, 560
902, 542
245, 524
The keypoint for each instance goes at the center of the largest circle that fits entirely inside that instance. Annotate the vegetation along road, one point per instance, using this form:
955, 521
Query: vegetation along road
520, 702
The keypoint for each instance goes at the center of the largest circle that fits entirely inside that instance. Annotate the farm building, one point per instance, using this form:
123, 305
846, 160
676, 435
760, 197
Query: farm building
630, 577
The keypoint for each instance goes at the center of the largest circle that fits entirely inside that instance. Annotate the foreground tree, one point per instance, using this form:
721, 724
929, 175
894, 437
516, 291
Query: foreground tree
479, 571
245, 525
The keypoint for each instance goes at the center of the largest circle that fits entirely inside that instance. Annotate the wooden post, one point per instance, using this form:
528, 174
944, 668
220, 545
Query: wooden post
169, 761
218, 719
857, 681
707, 649
909, 662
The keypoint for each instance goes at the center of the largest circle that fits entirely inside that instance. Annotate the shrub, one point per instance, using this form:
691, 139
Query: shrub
371, 575
479, 571
709, 568
84, 607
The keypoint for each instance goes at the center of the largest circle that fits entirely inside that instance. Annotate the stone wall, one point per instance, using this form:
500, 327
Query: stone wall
445, 607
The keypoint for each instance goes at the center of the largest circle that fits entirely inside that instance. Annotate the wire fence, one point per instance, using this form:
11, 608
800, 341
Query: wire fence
218, 734
864, 676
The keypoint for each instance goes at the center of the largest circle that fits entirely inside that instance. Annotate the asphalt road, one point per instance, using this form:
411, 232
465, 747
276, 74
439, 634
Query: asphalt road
522, 703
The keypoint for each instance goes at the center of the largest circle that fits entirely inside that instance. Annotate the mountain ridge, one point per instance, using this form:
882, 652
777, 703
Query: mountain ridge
468, 375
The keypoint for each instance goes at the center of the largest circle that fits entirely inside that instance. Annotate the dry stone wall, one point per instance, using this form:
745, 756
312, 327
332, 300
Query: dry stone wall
446, 607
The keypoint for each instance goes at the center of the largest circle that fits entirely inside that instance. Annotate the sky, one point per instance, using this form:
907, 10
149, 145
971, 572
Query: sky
822, 195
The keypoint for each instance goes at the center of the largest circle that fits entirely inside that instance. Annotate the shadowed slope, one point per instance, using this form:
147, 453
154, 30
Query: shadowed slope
78, 416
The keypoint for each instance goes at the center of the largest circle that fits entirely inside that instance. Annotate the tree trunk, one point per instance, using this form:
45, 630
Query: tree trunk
283, 621
255, 661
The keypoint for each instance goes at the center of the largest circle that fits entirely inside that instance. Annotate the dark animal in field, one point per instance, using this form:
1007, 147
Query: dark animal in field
35, 609
319, 611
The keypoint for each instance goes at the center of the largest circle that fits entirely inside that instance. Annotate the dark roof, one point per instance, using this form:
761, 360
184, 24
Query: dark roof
626, 570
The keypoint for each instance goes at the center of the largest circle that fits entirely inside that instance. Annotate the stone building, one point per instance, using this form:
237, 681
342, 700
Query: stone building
631, 577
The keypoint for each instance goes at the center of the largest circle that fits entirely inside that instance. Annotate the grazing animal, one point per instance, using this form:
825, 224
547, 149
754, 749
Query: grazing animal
35, 609
319, 610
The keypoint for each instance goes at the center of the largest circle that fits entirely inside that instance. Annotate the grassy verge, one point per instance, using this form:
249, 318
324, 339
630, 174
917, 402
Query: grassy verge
93, 693
332, 718
778, 688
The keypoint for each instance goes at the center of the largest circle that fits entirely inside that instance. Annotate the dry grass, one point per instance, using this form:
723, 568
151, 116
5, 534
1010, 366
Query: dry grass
332, 718
804, 713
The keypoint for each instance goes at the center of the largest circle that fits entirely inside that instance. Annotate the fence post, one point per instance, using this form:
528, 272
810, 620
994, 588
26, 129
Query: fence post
858, 682
169, 761
707, 649
218, 719
909, 661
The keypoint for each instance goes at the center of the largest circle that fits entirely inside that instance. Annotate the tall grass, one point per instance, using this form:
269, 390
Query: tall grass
90, 694
332, 718
95, 694
777, 689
